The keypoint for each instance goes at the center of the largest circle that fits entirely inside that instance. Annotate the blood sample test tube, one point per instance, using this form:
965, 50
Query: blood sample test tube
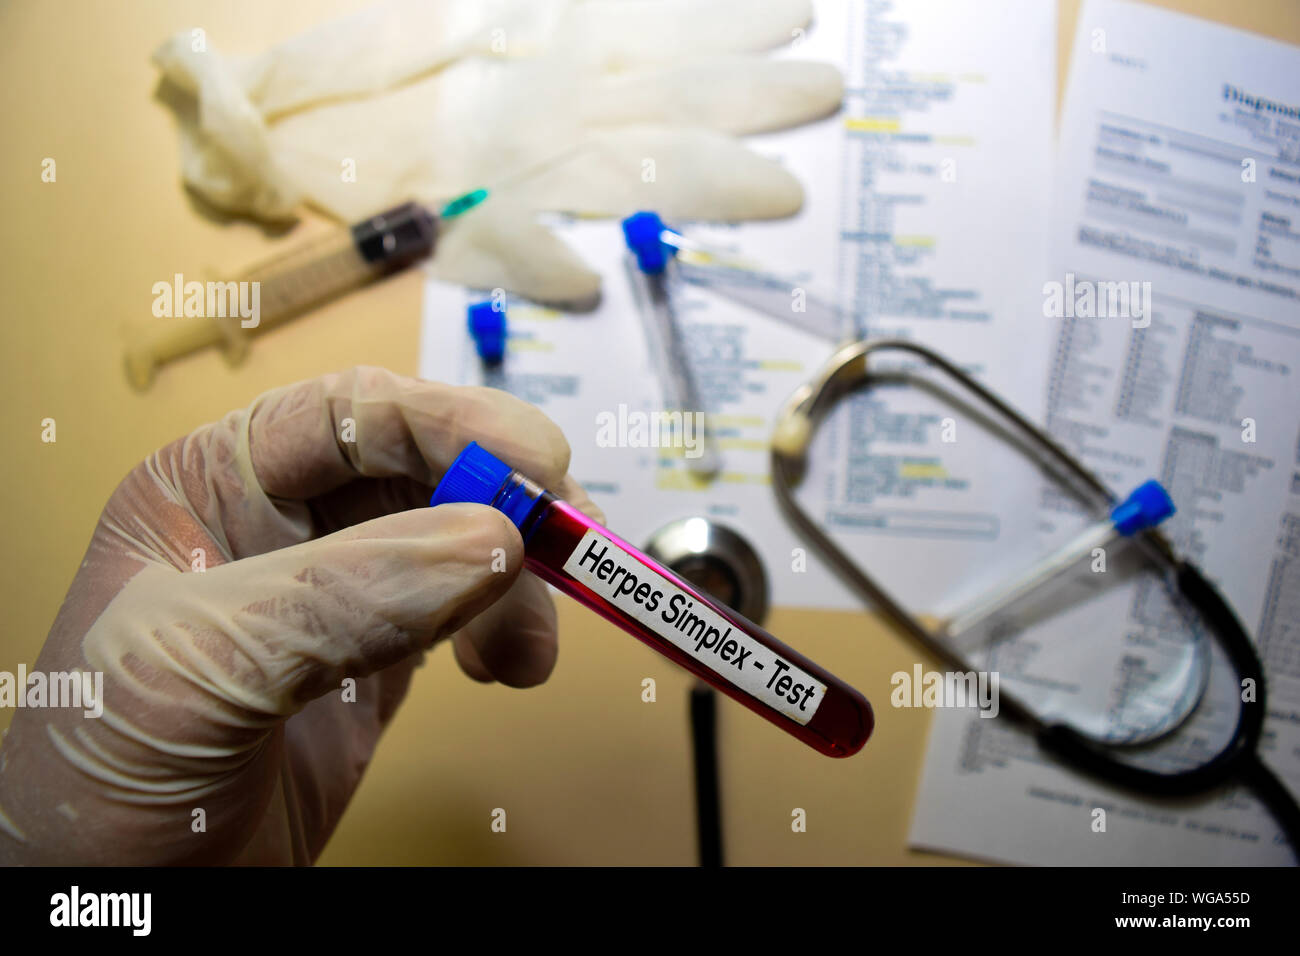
594, 566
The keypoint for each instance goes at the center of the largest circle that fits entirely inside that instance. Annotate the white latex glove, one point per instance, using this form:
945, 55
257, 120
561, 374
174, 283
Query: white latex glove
589, 107
222, 690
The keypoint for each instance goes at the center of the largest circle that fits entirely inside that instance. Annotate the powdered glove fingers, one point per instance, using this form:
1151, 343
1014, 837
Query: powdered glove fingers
251, 654
593, 108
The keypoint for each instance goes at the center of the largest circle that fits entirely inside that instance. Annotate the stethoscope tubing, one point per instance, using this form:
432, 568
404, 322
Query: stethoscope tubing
1239, 759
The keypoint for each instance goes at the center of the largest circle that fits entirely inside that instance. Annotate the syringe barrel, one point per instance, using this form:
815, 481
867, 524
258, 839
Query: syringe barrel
285, 285
326, 267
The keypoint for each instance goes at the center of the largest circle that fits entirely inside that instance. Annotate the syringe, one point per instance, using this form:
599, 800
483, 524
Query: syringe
292, 282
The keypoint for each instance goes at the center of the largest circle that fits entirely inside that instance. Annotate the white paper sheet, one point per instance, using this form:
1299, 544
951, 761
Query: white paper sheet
911, 221
1178, 166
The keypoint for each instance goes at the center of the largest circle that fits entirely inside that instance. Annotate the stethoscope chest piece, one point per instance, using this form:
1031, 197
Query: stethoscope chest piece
716, 559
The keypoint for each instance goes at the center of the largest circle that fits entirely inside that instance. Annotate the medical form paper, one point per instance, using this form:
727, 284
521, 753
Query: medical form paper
924, 217
1179, 177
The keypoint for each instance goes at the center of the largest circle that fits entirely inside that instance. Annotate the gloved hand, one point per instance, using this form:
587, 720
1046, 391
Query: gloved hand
223, 689
589, 107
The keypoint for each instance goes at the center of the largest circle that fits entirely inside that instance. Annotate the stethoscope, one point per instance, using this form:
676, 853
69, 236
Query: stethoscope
847, 371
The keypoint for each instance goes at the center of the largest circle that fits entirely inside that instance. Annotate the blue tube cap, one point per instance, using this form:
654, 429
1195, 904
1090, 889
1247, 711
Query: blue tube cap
479, 477
1147, 506
475, 476
487, 326
642, 231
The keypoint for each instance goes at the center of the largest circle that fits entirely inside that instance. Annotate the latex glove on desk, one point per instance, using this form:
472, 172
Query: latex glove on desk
222, 690
595, 108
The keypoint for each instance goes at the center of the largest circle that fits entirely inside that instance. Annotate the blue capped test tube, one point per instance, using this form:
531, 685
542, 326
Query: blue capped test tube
1147, 506
487, 327
658, 246
648, 269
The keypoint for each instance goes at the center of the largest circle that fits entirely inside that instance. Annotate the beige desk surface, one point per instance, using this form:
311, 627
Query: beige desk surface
586, 771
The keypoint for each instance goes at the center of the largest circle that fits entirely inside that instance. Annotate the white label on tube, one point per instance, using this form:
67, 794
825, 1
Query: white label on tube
697, 629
